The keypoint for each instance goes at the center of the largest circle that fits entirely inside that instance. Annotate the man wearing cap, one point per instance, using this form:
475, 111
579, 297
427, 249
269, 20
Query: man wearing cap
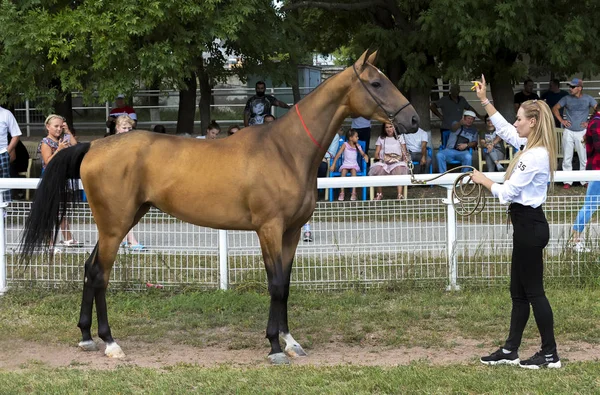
120, 109
463, 136
452, 107
575, 120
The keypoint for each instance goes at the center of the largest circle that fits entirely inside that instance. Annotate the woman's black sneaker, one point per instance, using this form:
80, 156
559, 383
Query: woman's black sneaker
541, 360
498, 357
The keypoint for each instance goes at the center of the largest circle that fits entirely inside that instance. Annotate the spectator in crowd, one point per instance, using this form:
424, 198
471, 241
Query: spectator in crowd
577, 110
124, 124
463, 136
525, 94
391, 156
269, 118
69, 129
592, 197
8, 124
552, 96
526, 188
20, 161
350, 149
160, 129
120, 109
363, 128
57, 139
233, 129
18, 164
260, 105
453, 106
494, 147
416, 144
212, 131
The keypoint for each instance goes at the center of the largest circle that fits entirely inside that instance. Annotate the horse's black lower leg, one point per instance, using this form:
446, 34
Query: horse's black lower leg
102, 313
87, 302
279, 291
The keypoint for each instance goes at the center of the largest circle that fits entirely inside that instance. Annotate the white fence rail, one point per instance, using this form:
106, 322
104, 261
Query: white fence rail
363, 243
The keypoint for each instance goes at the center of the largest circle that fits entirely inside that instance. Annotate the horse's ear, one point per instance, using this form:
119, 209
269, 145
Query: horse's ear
372, 58
362, 61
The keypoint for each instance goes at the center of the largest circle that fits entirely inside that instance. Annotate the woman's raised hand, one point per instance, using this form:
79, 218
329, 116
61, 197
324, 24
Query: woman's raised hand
480, 88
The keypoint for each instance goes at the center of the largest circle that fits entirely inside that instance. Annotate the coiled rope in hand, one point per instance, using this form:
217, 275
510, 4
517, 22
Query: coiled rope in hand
468, 198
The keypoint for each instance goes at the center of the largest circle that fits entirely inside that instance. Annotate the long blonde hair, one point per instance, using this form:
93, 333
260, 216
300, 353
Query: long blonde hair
542, 135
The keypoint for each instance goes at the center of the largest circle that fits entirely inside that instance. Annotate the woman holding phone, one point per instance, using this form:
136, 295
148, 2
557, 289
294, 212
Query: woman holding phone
57, 139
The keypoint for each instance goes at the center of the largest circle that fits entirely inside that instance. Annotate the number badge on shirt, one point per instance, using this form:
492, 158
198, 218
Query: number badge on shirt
521, 166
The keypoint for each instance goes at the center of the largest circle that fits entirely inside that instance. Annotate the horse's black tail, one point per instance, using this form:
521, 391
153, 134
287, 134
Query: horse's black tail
51, 198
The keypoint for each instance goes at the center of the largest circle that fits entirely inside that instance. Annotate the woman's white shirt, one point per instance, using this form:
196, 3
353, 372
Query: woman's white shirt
528, 183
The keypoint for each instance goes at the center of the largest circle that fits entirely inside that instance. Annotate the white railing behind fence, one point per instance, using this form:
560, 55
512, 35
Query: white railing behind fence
355, 243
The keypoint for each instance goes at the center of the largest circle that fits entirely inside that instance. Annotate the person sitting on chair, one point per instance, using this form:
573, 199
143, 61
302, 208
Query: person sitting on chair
390, 153
463, 136
416, 144
494, 147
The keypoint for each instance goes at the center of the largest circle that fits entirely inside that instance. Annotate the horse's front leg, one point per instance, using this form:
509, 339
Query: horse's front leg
270, 236
290, 242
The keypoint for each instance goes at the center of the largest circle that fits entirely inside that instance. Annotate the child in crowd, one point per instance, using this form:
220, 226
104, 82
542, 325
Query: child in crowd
350, 149
212, 131
233, 129
160, 129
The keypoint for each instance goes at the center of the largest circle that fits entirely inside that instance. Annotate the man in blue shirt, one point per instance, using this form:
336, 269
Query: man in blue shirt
463, 136
577, 107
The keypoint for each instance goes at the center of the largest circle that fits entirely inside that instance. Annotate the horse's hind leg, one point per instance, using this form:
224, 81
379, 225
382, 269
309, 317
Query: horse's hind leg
87, 302
97, 274
290, 242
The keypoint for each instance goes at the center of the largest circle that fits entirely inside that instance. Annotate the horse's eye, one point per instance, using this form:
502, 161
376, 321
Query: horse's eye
375, 84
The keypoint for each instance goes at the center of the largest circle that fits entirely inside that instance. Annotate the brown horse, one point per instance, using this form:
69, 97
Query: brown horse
262, 179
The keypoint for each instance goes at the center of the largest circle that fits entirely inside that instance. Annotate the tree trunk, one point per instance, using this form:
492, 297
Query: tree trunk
205, 99
187, 106
419, 98
63, 105
503, 95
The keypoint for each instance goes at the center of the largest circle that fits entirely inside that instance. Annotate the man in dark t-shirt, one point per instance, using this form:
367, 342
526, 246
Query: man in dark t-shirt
552, 96
260, 105
526, 94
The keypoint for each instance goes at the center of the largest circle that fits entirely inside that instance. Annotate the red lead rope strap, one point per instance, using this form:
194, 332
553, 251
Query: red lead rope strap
306, 129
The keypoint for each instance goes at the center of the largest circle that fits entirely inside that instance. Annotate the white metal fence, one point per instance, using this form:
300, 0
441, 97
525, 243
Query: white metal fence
356, 244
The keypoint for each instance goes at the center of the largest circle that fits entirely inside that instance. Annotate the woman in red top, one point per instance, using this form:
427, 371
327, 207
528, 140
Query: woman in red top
592, 197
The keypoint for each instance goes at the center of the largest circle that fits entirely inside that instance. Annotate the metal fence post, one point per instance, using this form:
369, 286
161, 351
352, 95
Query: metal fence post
223, 264
451, 241
2, 246
27, 118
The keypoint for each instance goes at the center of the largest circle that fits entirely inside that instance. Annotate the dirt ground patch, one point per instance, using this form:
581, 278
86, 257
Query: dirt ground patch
17, 355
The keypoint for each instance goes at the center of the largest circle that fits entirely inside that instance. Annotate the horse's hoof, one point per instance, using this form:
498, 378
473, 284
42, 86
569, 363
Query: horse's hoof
279, 359
88, 345
114, 351
295, 350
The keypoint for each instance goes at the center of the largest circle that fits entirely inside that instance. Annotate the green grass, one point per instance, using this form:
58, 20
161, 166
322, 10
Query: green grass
399, 317
395, 317
417, 378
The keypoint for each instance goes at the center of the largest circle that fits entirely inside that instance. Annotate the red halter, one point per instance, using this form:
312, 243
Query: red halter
306, 129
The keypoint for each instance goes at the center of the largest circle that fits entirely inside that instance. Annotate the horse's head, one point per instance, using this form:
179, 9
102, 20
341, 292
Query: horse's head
373, 96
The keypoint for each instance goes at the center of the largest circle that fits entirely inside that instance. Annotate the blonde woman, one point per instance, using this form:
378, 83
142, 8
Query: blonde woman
124, 124
57, 139
525, 188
